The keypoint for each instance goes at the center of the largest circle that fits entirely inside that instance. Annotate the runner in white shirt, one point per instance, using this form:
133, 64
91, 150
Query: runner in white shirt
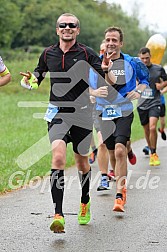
5, 76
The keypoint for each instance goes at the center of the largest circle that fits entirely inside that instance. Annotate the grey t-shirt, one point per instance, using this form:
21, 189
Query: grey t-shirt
151, 96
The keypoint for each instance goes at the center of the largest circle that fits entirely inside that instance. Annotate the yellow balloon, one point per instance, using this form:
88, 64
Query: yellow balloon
157, 46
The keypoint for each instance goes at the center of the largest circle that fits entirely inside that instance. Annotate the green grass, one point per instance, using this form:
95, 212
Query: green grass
19, 131
137, 130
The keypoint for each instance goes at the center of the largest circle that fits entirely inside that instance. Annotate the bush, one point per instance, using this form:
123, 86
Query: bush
22, 53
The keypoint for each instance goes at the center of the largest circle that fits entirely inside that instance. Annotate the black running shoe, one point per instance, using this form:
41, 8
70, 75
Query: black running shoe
163, 135
146, 150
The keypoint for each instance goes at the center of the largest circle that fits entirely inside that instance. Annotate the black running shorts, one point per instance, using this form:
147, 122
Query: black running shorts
144, 115
73, 128
116, 131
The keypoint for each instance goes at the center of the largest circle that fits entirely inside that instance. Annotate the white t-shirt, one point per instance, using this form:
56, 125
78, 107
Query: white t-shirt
2, 66
3, 69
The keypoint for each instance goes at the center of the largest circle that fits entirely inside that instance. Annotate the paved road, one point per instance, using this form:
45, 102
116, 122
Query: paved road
25, 215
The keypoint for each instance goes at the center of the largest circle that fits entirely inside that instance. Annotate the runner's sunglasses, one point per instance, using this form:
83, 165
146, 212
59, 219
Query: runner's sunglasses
70, 25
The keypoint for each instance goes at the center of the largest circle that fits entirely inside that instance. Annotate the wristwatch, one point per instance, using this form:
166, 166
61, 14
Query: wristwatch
138, 91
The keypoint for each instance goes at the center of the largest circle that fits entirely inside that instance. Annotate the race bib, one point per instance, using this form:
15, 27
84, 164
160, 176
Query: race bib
148, 94
50, 112
111, 112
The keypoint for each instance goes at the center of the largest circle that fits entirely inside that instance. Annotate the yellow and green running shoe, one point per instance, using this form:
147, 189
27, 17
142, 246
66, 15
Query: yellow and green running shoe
84, 213
154, 160
58, 223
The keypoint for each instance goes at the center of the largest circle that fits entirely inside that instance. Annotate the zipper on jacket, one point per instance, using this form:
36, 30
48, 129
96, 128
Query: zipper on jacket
63, 62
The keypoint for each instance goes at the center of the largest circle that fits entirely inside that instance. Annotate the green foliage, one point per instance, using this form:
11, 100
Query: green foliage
32, 23
10, 22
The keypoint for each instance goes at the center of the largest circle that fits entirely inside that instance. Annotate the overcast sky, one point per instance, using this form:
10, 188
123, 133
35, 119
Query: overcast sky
151, 12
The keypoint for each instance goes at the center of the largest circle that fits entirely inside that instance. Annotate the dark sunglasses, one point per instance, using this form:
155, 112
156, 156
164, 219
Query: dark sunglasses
70, 25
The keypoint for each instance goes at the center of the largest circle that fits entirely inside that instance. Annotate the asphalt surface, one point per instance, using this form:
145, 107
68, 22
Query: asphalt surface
25, 215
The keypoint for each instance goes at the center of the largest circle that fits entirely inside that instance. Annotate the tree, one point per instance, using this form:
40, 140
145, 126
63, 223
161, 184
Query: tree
10, 20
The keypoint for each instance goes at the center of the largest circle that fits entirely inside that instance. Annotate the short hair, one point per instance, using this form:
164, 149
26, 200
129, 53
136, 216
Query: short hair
117, 29
144, 50
68, 15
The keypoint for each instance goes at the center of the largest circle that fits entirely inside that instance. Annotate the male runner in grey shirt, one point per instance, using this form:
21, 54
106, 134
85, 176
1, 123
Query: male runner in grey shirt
149, 104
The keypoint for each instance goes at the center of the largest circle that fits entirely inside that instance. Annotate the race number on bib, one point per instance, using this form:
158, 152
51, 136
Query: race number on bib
148, 94
50, 112
111, 112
